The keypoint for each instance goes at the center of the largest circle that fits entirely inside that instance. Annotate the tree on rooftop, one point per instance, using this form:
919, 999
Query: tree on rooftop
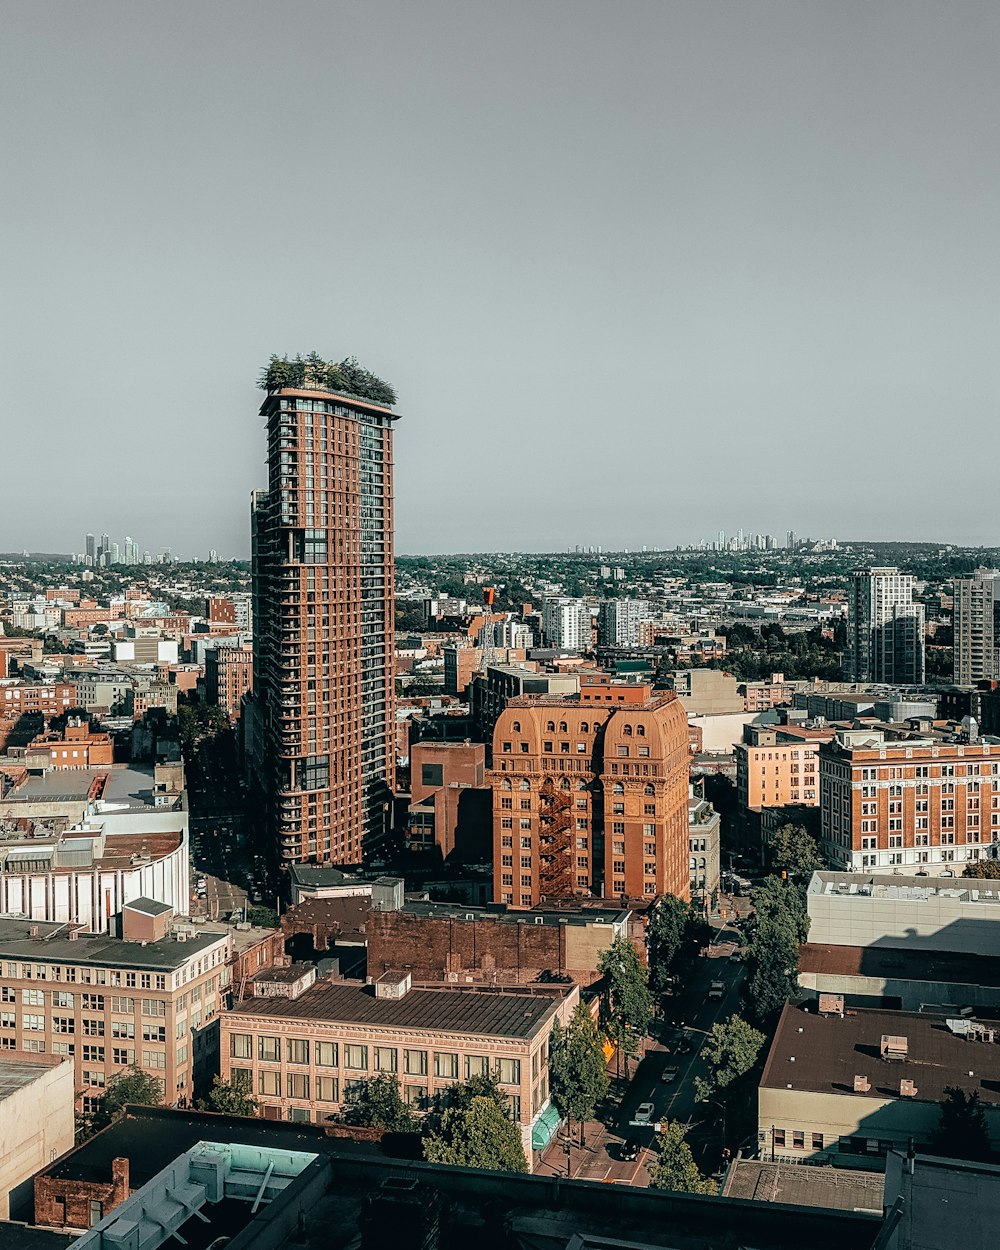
985, 869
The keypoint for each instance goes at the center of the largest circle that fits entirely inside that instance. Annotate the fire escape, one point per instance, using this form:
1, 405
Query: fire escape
555, 842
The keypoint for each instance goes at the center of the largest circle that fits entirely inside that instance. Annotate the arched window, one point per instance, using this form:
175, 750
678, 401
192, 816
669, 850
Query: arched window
618, 788
505, 784
525, 784
564, 784
584, 727
640, 731
562, 727
581, 785
516, 727
627, 730
648, 790
550, 726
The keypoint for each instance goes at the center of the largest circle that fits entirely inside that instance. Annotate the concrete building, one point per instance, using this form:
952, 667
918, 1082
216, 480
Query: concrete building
267, 1185
149, 998
36, 1119
567, 623
851, 1087
618, 622
703, 846
707, 691
885, 629
976, 615
76, 846
298, 1046
323, 612
476, 945
777, 766
925, 804
590, 796
228, 676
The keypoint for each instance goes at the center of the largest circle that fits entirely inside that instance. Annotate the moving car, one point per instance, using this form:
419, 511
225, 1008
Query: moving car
717, 989
668, 1075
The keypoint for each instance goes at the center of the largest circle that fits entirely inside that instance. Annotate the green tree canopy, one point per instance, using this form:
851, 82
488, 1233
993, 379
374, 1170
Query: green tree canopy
131, 1085
674, 937
674, 1167
731, 1049
988, 869
779, 923
376, 1102
626, 1005
793, 850
578, 1074
470, 1126
230, 1098
962, 1131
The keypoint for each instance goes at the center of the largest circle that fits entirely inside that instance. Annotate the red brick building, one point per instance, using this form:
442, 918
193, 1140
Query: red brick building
590, 795
228, 677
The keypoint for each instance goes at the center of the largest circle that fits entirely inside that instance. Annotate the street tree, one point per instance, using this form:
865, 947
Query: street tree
962, 1131
779, 924
626, 1004
794, 851
376, 1102
731, 1049
230, 1098
131, 1085
674, 937
470, 1126
674, 1167
578, 1074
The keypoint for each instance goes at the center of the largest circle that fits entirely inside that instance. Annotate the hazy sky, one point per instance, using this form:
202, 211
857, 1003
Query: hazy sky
637, 271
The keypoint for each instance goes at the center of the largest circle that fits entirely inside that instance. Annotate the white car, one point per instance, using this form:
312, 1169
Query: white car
644, 1113
717, 989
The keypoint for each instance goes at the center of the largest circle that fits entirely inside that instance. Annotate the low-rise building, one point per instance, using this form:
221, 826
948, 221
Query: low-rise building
778, 765
228, 676
855, 1085
36, 1120
109, 1003
450, 805
299, 1045
703, 846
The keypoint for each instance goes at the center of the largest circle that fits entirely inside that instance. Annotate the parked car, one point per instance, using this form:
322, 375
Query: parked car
629, 1150
717, 989
668, 1075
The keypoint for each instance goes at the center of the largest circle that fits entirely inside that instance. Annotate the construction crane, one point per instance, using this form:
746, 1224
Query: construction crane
488, 636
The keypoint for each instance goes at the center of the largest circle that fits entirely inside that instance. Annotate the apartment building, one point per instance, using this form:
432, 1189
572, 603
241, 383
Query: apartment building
299, 1043
704, 826
590, 796
885, 629
567, 623
931, 805
107, 1003
36, 698
228, 676
449, 803
977, 626
323, 579
618, 621
777, 766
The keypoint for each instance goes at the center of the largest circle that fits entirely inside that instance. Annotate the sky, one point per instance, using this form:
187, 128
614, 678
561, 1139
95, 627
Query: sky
637, 271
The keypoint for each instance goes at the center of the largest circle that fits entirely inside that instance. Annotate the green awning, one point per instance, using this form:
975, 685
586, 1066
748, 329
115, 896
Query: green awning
544, 1127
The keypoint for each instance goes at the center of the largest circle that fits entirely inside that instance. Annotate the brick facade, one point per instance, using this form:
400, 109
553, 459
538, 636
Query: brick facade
71, 1203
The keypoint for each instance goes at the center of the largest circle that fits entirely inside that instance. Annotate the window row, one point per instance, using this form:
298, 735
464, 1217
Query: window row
363, 1058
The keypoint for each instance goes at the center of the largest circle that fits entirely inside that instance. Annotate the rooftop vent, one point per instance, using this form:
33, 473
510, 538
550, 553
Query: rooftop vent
862, 1085
893, 1047
907, 1089
393, 985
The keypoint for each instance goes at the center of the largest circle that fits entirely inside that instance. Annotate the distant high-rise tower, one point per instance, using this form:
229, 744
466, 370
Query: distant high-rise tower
322, 714
977, 627
91, 549
885, 629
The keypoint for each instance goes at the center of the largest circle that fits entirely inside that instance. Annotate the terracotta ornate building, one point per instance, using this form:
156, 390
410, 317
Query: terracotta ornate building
590, 795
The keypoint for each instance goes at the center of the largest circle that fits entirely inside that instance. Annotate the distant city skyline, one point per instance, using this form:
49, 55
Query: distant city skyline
631, 269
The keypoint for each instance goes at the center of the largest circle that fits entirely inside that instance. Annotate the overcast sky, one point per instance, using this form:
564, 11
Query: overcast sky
638, 271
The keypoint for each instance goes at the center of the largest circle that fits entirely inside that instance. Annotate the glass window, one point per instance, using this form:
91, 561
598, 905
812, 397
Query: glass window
510, 1072
269, 1049
269, 1083
298, 1084
477, 1065
326, 1089
356, 1058
326, 1054
297, 1050
446, 1066
240, 1046
386, 1058
416, 1096
415, 1062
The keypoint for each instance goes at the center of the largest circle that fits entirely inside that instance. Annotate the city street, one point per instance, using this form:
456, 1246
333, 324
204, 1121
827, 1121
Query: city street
670, 1046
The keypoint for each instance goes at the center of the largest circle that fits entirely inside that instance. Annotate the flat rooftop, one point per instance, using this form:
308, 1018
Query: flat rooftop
901, 888
17, 1073
571, 914
441, 1009
829, 1052
51, 945
837, 1189
900, 964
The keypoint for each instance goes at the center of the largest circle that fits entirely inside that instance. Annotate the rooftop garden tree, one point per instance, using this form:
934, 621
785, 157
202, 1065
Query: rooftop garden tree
346, 377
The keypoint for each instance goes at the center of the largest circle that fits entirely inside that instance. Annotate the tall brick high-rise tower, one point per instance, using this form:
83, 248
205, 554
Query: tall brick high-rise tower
320, 738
